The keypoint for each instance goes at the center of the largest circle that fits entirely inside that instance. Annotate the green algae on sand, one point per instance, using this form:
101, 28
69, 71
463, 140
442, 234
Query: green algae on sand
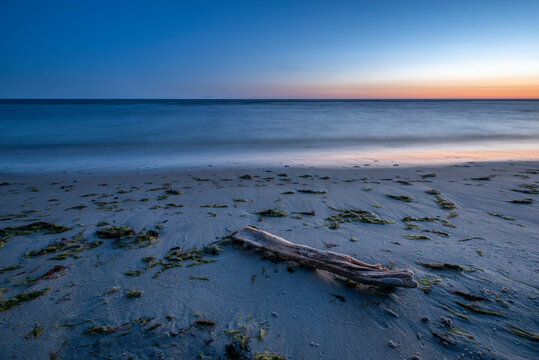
33, 228
353, 215
404, 198
20, 298
125, 236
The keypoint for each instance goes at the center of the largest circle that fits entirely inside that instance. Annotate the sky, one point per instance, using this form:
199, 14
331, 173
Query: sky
269, 49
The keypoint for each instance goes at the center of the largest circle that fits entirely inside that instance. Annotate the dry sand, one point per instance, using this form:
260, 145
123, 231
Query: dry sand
257, 305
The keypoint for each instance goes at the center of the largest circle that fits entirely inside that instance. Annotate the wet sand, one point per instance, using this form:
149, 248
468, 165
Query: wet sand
173, 284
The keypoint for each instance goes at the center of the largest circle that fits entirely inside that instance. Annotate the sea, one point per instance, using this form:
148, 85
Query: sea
92, 135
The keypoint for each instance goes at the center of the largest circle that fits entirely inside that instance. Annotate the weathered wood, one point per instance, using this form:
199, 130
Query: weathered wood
333, 262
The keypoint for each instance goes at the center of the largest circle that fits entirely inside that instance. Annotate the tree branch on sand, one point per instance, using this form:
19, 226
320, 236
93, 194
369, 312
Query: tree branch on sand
333, 262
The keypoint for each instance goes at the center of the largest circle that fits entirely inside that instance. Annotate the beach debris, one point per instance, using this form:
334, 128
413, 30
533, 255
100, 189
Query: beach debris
404, 198
339, 264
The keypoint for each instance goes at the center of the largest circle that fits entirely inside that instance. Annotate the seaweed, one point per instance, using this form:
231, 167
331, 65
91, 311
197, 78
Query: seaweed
199, 278
470, 238
246, 177
479, 310
308, 213
432, 192
437, 232
112, 290
36, 332
428, 281
173, 192
95, 330
500, 215
456, 313
205, 323
133, 273
469, 296
444, 266
309, 191
239, 200
268, 356
36, 227
353, 215
10, 268
132, 293
338, 297
54, 273
404, 198
522, 333
154, 326
483, 178
272, 213
445, 204
431, 175
530, 191
20, 298
522, 201
175, 257
403, 182
65, 247
417, 237
77, 207
125, 237
520, 281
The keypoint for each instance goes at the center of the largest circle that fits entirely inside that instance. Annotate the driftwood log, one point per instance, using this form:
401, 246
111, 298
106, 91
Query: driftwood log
333, 262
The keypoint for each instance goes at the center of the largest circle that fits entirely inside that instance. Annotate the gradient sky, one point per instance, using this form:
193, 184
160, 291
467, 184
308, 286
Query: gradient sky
269, 49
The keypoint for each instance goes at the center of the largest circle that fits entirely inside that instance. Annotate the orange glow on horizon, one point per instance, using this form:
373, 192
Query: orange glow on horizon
443, 89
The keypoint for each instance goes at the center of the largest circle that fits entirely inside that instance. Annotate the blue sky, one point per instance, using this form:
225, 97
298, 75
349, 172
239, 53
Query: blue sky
268, 49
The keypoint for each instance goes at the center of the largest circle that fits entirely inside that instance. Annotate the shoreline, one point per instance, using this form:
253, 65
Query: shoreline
275, 307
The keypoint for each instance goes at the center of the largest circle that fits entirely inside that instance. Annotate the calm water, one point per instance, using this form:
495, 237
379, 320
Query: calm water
109, 134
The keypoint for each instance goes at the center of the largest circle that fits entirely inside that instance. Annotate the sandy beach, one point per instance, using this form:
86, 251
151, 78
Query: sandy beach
140, 265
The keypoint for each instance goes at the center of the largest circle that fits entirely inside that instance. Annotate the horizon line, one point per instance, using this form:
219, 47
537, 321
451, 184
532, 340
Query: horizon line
277, 99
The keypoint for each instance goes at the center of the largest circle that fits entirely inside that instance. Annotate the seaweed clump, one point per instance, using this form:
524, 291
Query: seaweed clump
404, 198
65, 247
352, 215
442, 203
20, 298
446, 266
273, 213
309, 191
176, 257
36, 227
125, 237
